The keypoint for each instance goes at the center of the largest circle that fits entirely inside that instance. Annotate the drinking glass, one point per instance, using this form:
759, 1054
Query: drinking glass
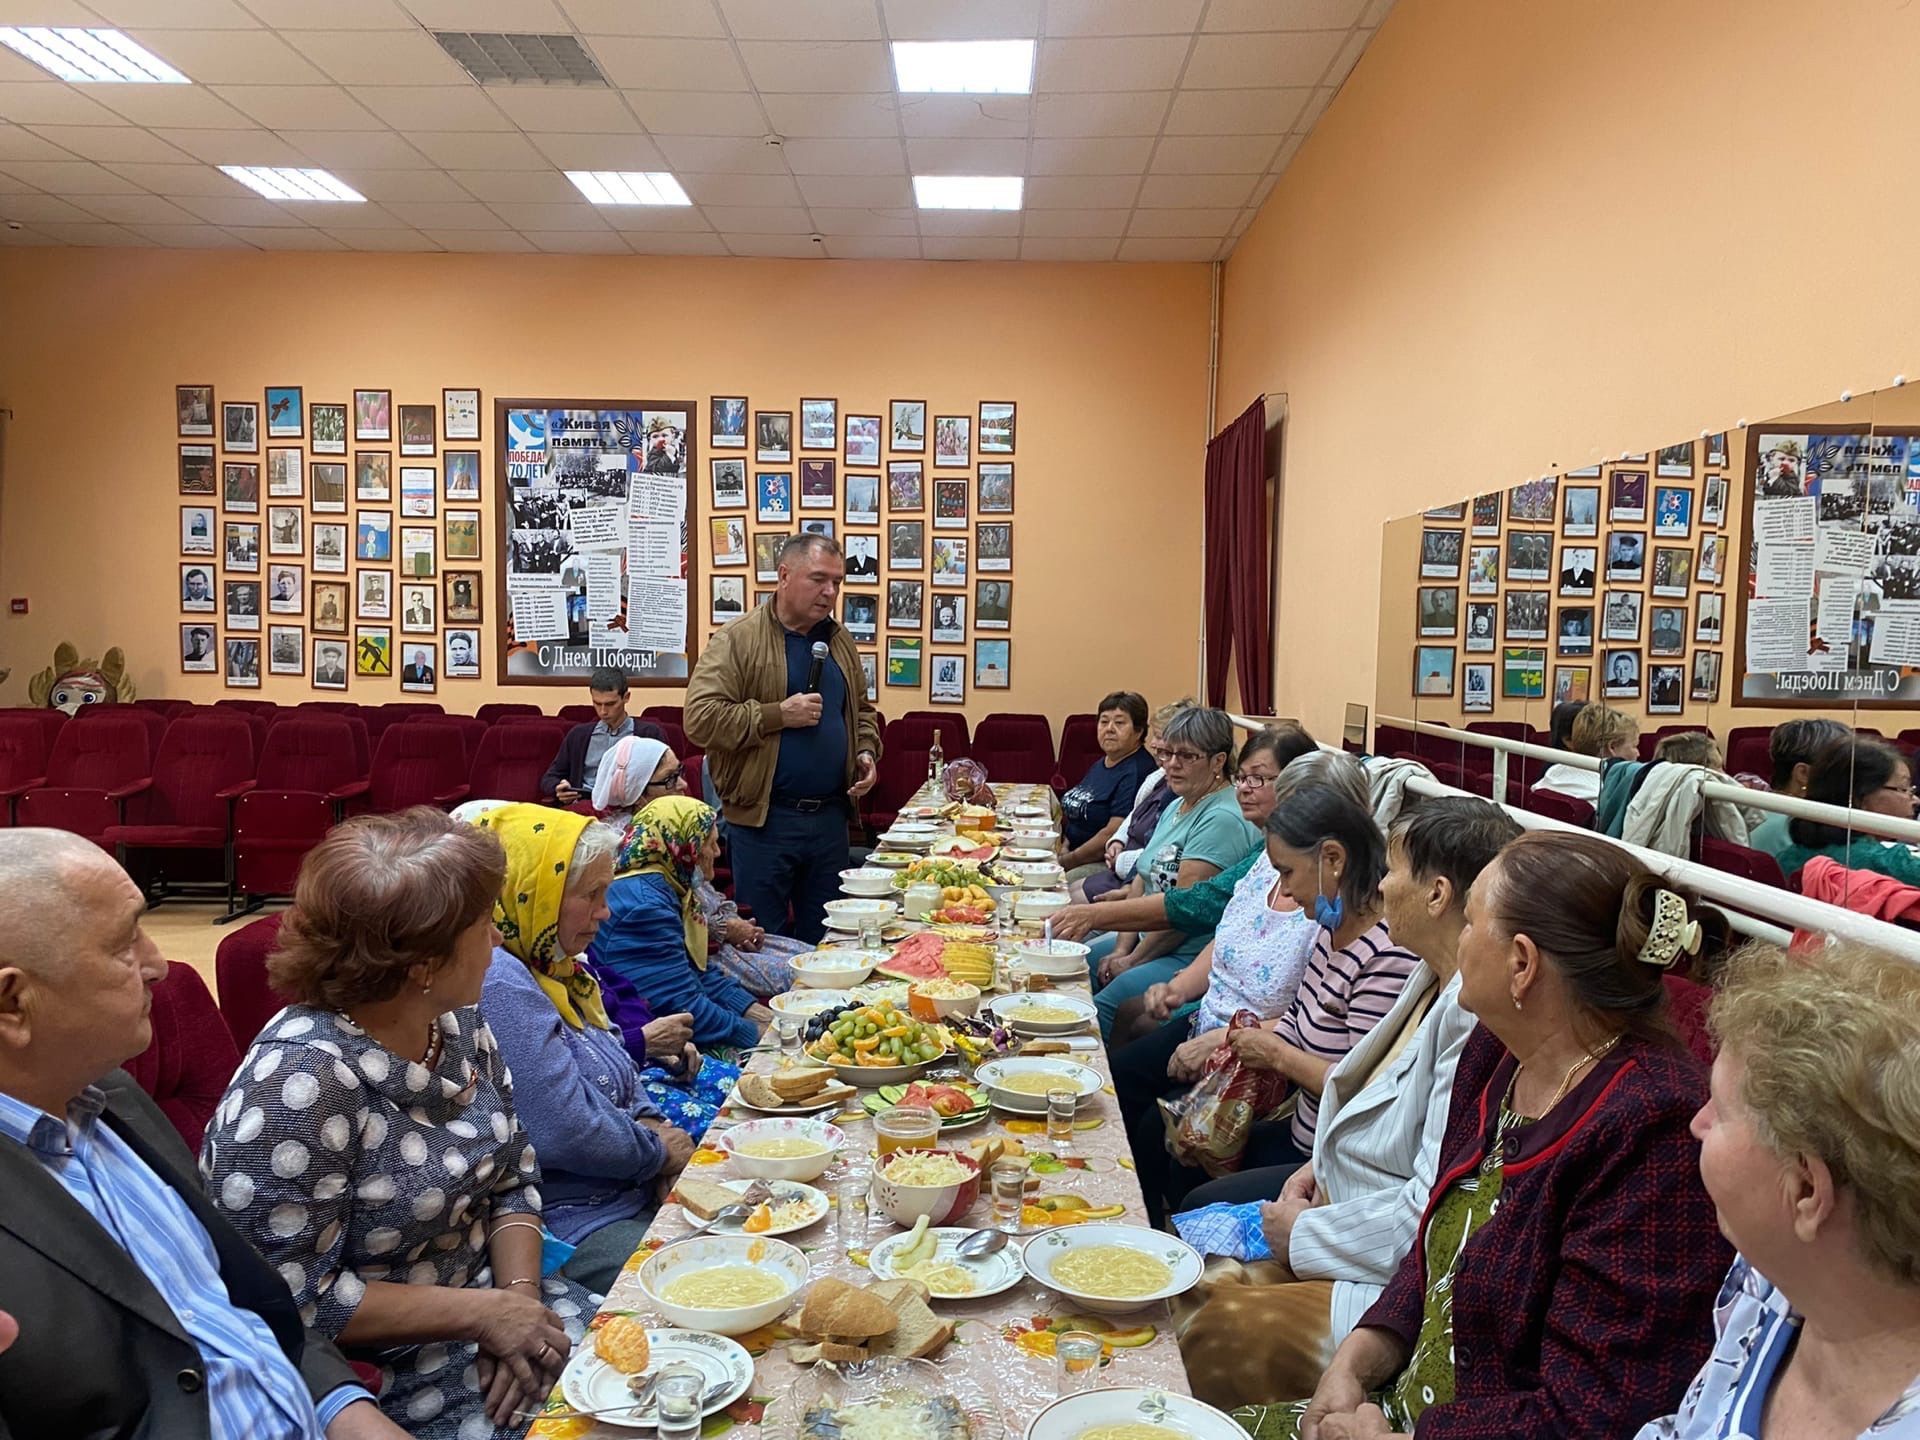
850, 1215
676, 1399
1079, 1353
1061, 1102
789, 1028
1008, 1181
905, 1127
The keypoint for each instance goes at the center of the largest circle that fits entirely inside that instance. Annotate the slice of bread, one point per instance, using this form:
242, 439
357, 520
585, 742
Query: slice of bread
798, 1084
702, 1198
755, 1090
836, 1310
919, 1334
1045, 1047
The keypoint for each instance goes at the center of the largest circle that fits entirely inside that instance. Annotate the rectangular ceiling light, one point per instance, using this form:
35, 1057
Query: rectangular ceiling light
279, 183
629, 187
968, 192
89, 55
963, 67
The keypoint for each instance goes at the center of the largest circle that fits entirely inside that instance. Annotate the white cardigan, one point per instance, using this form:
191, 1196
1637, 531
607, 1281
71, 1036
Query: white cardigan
1376, 1151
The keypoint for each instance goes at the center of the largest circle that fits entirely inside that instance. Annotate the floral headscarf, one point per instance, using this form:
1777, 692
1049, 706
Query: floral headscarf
665, 839
540, 842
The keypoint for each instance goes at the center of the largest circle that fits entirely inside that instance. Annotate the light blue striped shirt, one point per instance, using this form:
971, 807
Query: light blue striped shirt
254, 1392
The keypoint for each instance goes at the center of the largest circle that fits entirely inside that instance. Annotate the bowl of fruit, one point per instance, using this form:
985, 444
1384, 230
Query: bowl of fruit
878, 1045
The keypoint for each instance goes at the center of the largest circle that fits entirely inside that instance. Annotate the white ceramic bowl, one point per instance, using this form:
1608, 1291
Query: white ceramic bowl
1041, 1253
806, 1002
1074, 1416
944, 1006
867, 882
1012, 1010
783, 1167
1039, 904
1067, 958
1044, 875
1028, 855
941, 1204
834, 969
994, 1073
710, 1252
847, 914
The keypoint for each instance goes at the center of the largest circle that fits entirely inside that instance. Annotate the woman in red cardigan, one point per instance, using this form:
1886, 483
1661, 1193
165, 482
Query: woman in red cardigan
1562, 1282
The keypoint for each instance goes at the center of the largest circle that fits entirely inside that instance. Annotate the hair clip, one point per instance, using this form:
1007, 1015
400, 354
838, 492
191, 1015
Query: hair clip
1672, 931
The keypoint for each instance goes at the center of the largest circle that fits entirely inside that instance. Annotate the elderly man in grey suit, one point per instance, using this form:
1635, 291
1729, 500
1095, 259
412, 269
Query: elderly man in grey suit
141, 1311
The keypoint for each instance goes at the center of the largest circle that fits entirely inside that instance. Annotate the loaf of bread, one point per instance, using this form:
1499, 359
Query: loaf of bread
835, 1310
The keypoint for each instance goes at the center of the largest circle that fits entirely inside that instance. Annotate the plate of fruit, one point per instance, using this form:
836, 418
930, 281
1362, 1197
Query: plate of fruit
941, 871
963, 905
958, 1103
878, 1045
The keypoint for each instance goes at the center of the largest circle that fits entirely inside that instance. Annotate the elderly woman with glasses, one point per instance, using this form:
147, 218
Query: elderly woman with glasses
1862, 774
1201, 834
1121, 853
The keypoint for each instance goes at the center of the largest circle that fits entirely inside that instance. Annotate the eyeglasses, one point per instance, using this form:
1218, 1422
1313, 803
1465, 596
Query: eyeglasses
1185, 757
1255, 782
1906, 789
673, 777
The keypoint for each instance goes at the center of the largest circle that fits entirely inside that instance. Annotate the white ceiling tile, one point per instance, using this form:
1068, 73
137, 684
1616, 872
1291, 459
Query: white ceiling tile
871, 247
1261, 190
693, 112
236, 210
834, 117
36, 209
1119, 156
139, 210
967, 157
654, 219
947, 223
1076, 224
285, 237
22, 236
1157, 249
51, 103
663, 243
1296, 57
721, 154
1237, 112
331, 216
668, 64
340, 14
1191, 222
175, 14
17, 143
1289, 148
844, 157
599, 152
1046, 248
973, 248
300, 107
1180, 191
1140, 63
17, 69
759, 219
815, 66
741, 189
1113, 112
857, 191
425, 186
462, 150
1122, 17
975, 20
553, 108
69, 177
1348, 57
402, 57
234, 147
486, 242
1242, 221
177, 179
1377, 13
1282, 14
432, 107
188, 237
230, 57
539, 17
385, 240
579, 242
548, 185
50, 12
94, 235
814, 20
537, 215
779, 247
445, 215
10, 185
656, 17
970, 116
1081, 192
834, 220
1226, 248
356, 149
189, 106
1214, 154
1316, 107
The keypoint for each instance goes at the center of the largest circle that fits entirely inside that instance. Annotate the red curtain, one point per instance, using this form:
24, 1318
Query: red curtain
1239, 610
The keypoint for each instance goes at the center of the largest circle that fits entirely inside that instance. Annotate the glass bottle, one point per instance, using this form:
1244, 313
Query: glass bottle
936, 760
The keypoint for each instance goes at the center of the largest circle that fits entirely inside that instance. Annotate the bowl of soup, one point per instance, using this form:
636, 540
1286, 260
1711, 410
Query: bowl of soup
1043, 1013
1064, 959
782, 1149
1020, 1083
728, 1284
1112, 1269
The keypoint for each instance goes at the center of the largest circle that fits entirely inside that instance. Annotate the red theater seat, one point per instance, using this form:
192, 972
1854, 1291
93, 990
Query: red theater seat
419, 763
93, 769
247, 1001
23, 758
512, 758
204, 765
192, 1056
492, 714
305, 770
1016, 748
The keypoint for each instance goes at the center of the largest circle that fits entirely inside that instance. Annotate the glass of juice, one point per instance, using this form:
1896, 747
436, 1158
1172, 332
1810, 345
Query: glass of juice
905, 1127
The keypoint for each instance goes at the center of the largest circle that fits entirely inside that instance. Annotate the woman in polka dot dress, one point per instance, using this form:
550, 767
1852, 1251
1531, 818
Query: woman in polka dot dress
368, 1144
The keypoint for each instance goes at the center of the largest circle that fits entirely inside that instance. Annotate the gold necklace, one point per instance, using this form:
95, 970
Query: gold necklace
434, 1040
1566, 1081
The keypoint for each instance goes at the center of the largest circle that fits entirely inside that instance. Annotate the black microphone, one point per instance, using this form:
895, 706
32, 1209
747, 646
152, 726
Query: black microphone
819, 662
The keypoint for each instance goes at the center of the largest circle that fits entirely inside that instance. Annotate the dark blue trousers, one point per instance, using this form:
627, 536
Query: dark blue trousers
791, 863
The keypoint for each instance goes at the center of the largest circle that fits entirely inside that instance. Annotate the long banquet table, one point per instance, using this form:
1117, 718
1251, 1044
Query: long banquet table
1001, 1345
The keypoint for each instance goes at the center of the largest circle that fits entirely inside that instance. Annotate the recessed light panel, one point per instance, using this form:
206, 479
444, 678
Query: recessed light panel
968, 192
963, 67
90, 56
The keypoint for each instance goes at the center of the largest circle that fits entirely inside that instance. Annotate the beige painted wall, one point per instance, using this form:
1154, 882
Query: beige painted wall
1530, 234
1108, 364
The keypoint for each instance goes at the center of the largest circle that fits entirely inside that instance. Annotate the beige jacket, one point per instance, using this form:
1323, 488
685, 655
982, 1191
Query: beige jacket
733, 710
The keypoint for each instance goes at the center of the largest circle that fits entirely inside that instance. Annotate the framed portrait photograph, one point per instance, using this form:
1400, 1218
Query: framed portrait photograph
1666, 689
1580, 512
1672, 512
996, 488
284, 412
1627, 496
727, 422
1529, 555
241, 609
773, 436
1523, 673
1526, 617
1483, 570
463, 534
329, 664
242, 546
907, 544
817, 489
863, 559
1713, 501
1667, 630
1707, 613
1672, 461
330, 546
419, 666
1455, 511
240, 485
1573, 630
1626, 557
373, 476
372, 416
373, 535
907, 429
329, 481
994, 546
817, 527
460, 414
950, 560
949, 682
949, 619
1620, 615
906, 485
766, 553
373, 595
196, 529
992, 604
1476, 689
419, 605
197, 473
327, 428
240, 426
1572, 682
819, 424
729, 597
861, 615
1433, 670
331, 606
862, 439
286, 590
1486, 515
774, 497
1482, 623
1578, 566
462, 471
243, 662
1706, 676
193, 411
1717, 449
199, 649
418, 430
996, 427
373, 651
952, 442
869, 675
419, 551
728, 537
949, 504
286, 650
729, 476
463, 655
1620, 675
992, 664
461, 592
1440, 554
904, 601
1672, 570
863, 499
1439, 610
419, 491
196, 590
286, 472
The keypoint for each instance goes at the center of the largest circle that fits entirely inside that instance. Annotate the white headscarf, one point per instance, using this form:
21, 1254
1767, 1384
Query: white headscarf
624, 774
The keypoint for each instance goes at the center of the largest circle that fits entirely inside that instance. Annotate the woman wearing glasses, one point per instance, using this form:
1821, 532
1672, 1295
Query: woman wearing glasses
1866, 775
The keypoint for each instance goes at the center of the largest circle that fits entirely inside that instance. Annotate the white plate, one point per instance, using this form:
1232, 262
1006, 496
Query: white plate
999, 1272
1181, 1259
805, 1107
782, 1190
806, 1003
1021, 1102
589, 1383
1009, 1010
1077, 1414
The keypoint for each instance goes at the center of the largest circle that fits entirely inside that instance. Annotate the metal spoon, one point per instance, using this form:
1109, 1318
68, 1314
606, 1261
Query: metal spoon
980, 1244
750, 1199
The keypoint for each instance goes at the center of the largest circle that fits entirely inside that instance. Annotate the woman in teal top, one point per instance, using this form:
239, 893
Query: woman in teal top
1866, 775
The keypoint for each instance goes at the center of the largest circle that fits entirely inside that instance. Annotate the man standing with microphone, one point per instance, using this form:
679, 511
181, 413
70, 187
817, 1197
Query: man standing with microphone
777, 702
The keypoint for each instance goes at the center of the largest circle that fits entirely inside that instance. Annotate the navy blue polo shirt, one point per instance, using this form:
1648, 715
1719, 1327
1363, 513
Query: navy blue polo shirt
813, 762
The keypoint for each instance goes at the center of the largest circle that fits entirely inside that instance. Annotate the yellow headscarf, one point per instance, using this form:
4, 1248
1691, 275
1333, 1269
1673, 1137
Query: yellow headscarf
540, 841
665, 839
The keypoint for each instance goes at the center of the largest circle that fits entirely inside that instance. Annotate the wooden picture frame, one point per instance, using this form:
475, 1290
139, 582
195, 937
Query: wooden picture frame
190, 404
327, 429
824, 412
468, 426
901, 418
372, 417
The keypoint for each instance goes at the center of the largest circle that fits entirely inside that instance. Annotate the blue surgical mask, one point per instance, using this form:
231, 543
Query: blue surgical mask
1328, 914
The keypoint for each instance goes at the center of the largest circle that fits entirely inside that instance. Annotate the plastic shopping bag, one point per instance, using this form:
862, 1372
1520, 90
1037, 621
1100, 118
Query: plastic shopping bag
1208, 1126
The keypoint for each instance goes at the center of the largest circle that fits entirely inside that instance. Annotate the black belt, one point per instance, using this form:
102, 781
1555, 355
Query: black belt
806, 807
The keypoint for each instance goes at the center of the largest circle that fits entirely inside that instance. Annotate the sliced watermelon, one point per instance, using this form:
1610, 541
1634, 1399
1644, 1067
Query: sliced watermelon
916, 958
